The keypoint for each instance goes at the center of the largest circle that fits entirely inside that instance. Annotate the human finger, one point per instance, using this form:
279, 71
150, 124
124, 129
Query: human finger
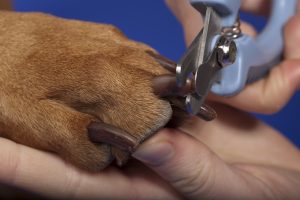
256, 6
261, 7
292, 38
192, 21
46, 174
270, 94
275, 90
195, 171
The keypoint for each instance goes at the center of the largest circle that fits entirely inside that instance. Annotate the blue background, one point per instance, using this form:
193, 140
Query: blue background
152, 23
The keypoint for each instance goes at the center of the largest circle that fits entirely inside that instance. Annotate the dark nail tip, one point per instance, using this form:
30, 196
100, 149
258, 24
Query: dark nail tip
166, 85
207, 113
103, 133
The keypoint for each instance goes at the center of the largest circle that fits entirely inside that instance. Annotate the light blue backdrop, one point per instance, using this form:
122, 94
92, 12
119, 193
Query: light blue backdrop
152, 23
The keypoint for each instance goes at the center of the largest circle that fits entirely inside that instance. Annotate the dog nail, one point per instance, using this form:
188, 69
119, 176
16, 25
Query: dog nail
165, 85
101, 132
164, 62
207, 113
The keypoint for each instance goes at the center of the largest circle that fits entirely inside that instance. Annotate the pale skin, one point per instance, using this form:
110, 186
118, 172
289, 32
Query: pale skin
235, 156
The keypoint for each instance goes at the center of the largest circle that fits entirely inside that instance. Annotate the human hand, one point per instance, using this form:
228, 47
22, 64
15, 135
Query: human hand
239, 147
271, 93
233, 157
48, 175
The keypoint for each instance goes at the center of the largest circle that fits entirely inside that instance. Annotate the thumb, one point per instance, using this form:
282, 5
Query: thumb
191, 168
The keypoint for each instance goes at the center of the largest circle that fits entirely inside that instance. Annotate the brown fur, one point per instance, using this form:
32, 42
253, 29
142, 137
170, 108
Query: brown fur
57, 76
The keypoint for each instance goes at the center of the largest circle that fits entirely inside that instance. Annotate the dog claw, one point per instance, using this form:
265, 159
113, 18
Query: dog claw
165, 85
164, 62
100, 132
206, 112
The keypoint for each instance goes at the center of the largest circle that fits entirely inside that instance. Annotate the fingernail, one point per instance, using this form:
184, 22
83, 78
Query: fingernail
154, 154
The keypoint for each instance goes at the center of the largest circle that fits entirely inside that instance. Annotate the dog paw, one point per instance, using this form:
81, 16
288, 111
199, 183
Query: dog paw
65, 83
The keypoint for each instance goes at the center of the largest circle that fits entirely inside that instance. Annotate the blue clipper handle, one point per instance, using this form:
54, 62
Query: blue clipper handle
255, 56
